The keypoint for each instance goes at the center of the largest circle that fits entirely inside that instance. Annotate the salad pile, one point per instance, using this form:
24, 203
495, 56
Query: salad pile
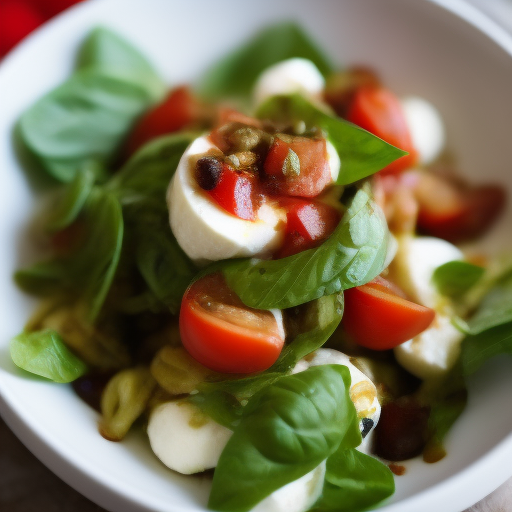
264, 271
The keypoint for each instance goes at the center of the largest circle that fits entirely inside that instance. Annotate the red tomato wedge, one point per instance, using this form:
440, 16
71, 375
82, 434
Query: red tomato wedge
223, 334
308, 223
379, 111
178, 110
235, 192
457, 214
377, 316
308, 178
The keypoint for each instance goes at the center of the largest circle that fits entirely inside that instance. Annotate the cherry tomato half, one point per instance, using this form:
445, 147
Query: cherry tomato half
377, 316
379, 111
223, 334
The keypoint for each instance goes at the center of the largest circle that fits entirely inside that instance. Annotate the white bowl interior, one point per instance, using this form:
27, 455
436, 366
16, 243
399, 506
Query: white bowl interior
419, 48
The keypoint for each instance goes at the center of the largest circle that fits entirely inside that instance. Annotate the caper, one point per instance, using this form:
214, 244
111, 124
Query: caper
208, 171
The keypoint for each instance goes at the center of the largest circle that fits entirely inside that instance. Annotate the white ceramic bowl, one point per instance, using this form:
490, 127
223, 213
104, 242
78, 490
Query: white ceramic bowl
443, 50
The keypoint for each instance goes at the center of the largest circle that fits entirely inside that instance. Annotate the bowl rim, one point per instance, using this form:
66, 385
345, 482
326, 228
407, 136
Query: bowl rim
107, 492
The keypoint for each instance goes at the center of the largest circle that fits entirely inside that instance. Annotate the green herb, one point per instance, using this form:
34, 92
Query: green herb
456, 277
353, 482
286, 431
105, 52
72, 199
86, 119
495, 309
361, 153
89, 271
353, 255
236, 74
44, 353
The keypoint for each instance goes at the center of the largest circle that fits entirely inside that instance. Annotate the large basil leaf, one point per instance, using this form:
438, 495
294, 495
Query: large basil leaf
361, 153
43, 278
83, 120
146, 176
44, 353
456, 277
86, 118
236, 74
353, 482
353, 255
286, 430
105, 52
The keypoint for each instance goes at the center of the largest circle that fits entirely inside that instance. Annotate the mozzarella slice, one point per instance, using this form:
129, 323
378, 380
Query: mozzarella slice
363, 392
433, 352
204, 230
334, 161
184, 439
414, 265
287, 77
297, 496
426, 127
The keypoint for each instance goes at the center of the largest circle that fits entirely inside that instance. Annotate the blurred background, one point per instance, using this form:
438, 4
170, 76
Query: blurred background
25, 484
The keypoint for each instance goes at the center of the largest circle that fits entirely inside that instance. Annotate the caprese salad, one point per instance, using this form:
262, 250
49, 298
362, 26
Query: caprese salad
265, 270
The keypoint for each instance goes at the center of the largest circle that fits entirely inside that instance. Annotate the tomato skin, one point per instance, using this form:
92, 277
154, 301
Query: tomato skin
220, 344
315, 173
235, 193
379, 111
308, 223
377, 317
468, 216
179, 109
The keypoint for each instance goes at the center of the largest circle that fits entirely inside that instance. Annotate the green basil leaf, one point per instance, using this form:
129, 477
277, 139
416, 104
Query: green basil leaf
167, 270
495, 309
478, 348
72, 199
43, 278
83, 120
353, 255
286, 430
146, 176
44, 353
97, 261
361, 153
456, 277
235, 74
353, 482
106, 52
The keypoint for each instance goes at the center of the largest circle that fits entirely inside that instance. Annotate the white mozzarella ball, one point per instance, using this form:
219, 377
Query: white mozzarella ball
184, 439
363, 392
287, 77
426, 127
433, 352
414, 265
297, 496
204, 230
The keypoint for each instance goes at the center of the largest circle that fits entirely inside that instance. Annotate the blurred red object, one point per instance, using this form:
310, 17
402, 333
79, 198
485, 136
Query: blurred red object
20, 17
